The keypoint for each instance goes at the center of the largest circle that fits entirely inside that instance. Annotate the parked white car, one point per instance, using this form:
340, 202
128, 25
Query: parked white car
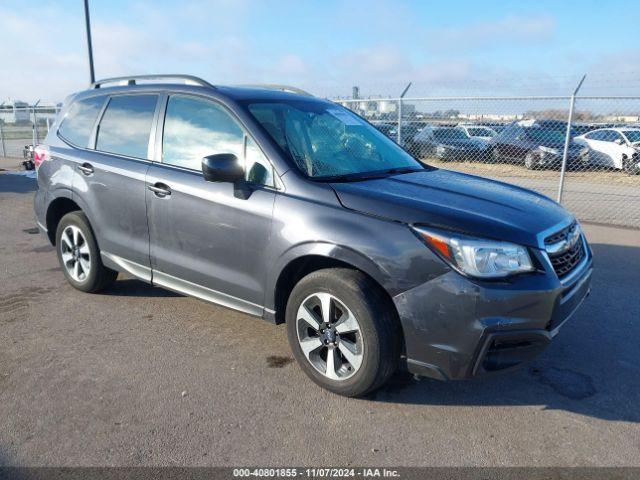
478, 131
617, 148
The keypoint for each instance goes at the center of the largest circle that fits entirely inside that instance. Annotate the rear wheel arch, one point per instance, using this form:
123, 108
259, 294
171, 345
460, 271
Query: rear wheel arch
57, 209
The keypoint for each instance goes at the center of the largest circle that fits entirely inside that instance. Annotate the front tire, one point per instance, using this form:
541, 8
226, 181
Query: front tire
629, 167
343, 331
79, 256
530, 161
493, 156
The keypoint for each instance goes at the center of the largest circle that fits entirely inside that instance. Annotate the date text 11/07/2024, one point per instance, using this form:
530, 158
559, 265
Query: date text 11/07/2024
316, 472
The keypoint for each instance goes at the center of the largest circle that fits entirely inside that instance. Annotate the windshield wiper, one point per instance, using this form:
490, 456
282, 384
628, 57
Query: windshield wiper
395, 171
359, 176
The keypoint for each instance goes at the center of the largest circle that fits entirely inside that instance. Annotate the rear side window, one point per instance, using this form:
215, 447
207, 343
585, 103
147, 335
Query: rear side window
78, 123
593, 136
126, 125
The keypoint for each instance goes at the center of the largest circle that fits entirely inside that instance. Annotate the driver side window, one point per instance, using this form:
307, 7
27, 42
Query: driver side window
196, 127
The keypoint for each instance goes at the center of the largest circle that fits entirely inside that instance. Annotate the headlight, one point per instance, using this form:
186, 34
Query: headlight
477, 257
552, 151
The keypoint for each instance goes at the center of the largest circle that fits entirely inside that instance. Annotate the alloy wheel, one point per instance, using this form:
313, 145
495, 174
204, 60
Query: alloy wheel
75, 253
329, 336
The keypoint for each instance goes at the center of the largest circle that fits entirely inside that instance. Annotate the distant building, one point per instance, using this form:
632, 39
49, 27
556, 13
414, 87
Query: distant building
14, 111
622, 118
508, 117
372, 108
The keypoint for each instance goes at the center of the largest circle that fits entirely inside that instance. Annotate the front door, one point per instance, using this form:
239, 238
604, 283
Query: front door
206, 240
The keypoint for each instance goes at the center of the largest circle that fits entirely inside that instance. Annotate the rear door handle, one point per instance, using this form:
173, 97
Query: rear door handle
160, 190
86, 168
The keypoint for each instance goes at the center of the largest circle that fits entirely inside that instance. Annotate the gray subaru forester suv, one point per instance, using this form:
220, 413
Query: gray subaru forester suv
294, 209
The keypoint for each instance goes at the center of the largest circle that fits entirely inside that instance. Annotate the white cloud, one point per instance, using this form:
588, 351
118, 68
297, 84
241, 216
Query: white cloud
44, 49
30, 68
507, 31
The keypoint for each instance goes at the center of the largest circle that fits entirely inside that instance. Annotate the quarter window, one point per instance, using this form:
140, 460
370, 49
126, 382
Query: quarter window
126, 125
78, 123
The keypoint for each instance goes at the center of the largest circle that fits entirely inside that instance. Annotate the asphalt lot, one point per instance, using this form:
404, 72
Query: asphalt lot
142, 376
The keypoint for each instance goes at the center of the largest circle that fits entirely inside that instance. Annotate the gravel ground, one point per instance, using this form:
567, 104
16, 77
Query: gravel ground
142, 376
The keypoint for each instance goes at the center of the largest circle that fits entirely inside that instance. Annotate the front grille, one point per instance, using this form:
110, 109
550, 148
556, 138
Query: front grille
565, 261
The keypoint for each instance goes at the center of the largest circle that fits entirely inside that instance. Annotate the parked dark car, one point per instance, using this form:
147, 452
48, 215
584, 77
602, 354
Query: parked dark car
537, 144
294, 209
389, 129
409, 130
447, 143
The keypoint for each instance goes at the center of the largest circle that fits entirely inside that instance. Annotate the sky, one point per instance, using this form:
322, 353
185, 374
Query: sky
445, 48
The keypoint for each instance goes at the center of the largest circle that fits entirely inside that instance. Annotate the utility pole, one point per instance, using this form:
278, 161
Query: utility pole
89, 46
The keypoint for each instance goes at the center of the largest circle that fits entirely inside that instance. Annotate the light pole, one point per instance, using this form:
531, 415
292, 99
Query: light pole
87, 22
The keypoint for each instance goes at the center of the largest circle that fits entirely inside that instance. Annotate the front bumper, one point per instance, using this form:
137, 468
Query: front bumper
575, 160
460, 154
456, 328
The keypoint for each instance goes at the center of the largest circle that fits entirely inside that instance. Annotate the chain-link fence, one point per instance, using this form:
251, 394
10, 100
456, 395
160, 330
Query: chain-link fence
23, 125
592, 167
582, 151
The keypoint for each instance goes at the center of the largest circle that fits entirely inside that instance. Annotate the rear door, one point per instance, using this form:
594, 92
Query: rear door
603, 147
614, 150
506, 142
206, 240
74, 135
111, 180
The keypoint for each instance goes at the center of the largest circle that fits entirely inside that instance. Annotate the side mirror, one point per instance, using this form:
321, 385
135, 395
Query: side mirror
222, 167
618, 141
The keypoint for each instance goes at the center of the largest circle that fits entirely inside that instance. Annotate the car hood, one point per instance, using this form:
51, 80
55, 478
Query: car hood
455, 201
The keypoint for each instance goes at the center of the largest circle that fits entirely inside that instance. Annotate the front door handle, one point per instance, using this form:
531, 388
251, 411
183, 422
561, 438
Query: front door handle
160, 190
86, 168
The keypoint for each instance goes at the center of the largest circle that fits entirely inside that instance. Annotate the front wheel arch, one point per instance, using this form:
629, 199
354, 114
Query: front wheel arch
302, 266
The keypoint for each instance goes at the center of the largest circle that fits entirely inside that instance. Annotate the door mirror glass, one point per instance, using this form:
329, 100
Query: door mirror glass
222, 167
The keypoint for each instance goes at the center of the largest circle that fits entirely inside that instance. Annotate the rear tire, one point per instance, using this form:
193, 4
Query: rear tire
79, 256
361, 330
629, 167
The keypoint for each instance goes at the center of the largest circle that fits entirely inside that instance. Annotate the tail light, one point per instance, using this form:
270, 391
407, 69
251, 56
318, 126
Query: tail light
40, 154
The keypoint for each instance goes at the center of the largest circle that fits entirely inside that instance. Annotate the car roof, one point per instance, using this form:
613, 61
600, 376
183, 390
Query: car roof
615, 129
237, 93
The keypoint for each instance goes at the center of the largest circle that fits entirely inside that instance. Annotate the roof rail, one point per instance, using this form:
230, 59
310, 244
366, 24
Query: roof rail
274, 86
131, 79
